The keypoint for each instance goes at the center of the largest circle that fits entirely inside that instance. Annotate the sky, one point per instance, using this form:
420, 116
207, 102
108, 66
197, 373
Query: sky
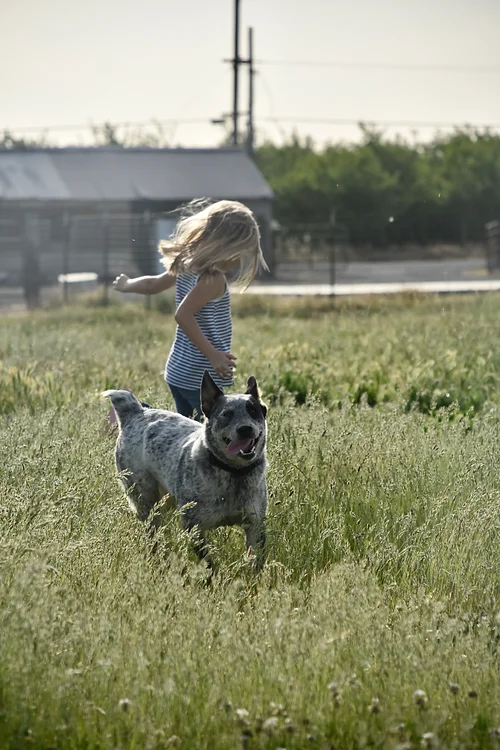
77, 62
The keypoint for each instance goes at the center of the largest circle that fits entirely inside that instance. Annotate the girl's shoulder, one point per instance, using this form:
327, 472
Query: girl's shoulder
216, 280
186, 276
186, 280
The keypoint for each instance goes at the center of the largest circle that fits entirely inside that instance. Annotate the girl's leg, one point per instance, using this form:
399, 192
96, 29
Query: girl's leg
187, 402
182, 405
194, 399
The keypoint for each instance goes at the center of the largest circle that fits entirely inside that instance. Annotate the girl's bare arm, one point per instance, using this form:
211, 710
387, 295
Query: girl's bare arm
204, 291
144, 284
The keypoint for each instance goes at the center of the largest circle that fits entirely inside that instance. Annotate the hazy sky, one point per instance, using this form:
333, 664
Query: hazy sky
67, 62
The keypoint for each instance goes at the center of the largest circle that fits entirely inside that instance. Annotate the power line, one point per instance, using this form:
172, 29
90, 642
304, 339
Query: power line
454, 68
271, 118
381, 123
277, 120
91, 126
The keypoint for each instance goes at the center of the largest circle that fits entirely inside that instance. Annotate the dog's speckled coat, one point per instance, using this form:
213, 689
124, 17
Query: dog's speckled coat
159, 449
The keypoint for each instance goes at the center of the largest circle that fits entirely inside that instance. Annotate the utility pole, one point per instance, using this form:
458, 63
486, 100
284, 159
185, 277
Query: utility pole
251, 73
236, 64
236, 61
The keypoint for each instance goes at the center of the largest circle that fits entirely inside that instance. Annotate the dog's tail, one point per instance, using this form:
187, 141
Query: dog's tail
125, 405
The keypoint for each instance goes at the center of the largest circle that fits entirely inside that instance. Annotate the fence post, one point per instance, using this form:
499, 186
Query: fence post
146, 218
31, 260
65, 258
492, 245
332, 269
105, 258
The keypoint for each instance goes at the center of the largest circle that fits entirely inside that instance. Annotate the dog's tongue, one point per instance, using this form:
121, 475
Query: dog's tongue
235, 446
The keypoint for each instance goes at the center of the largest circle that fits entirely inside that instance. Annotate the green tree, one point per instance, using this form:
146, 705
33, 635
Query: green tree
389, 191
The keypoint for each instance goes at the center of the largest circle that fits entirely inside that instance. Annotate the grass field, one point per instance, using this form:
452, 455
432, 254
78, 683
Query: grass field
376, 622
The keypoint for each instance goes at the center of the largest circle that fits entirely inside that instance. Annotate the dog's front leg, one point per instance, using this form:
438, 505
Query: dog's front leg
200, 545
255, 533
190, 523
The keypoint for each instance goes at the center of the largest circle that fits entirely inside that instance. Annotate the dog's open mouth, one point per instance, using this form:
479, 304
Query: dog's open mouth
244, 448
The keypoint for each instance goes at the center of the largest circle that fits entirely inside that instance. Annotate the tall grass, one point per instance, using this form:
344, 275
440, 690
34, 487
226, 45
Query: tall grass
376, 622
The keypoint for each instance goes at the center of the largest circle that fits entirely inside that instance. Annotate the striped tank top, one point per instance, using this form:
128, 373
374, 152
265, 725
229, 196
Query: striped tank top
186, 364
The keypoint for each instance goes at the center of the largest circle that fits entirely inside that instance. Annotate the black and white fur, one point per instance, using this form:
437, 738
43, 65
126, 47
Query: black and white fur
216, 471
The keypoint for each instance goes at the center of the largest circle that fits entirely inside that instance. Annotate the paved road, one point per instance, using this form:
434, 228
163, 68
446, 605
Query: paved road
383, 272
429, 276
342, 290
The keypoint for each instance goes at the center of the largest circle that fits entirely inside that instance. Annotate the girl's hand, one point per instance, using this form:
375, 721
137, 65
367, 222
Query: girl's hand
223, 363
121, 283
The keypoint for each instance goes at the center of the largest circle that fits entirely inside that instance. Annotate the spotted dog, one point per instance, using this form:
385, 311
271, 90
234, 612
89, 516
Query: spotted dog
216, 471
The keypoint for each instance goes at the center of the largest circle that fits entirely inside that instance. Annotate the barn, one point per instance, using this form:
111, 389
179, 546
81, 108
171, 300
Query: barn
103, 210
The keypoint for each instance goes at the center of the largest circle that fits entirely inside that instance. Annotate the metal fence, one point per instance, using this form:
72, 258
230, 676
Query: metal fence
63, 254
311, 253
322, 254
58, 256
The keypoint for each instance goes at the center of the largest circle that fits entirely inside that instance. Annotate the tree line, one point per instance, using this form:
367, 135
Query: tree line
389, 191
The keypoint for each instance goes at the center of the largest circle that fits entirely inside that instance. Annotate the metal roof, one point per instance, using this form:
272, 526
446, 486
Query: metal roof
127, 174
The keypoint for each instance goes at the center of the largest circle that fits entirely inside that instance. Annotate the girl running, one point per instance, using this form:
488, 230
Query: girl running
207, 244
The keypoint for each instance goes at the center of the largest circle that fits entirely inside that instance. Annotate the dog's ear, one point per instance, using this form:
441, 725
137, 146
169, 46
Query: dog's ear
210, 393
252, 388
253, 391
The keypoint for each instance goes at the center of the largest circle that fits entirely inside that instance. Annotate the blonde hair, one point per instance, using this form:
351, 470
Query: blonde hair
217, 234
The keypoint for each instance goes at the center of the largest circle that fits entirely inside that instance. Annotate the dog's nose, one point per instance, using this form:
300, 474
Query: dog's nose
245, 431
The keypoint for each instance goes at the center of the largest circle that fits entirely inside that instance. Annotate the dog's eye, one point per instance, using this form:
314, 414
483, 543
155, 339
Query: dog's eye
229, 414
252, 410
